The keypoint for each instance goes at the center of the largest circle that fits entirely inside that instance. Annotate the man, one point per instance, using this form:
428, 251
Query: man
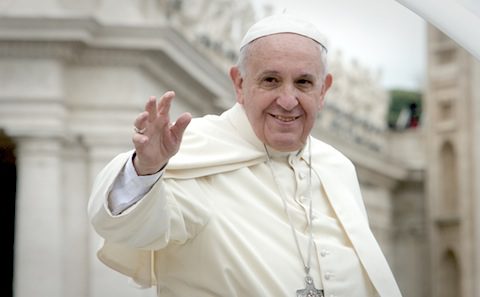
246, 203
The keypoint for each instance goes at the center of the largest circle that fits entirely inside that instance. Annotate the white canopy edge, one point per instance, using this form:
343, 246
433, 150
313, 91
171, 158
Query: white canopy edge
457, 20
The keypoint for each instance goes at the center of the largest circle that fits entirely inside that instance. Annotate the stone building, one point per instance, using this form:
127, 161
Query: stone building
74, 74
453, 163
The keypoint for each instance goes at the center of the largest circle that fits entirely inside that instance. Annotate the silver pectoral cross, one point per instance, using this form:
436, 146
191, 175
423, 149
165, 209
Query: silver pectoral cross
310, 290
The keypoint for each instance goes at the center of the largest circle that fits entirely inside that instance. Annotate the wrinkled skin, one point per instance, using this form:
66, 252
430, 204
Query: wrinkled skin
283, 88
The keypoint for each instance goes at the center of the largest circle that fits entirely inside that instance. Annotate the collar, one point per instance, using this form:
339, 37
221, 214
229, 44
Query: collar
226, 142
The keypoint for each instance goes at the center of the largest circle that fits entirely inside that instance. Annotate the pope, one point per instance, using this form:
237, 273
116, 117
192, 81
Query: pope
245, 203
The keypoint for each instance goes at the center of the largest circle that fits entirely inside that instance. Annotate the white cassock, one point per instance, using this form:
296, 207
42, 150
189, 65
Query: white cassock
215, 223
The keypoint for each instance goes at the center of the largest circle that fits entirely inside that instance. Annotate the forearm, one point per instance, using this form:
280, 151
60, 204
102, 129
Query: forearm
103, 184
135, 214
146, 224
129, 188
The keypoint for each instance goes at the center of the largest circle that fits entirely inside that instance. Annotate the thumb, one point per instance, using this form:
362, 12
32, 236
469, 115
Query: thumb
178, 128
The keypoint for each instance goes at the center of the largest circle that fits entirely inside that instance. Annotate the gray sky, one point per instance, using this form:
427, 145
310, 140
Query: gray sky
382, 35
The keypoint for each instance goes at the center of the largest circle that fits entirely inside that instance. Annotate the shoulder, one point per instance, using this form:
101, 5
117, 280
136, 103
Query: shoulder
210, 126
328, 154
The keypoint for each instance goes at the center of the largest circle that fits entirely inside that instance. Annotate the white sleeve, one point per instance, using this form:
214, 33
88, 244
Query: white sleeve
129, 187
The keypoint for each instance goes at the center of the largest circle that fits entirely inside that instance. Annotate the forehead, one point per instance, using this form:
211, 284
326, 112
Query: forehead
285, 49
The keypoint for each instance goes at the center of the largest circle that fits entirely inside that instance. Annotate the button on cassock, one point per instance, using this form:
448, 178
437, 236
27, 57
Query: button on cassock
324, 252
328, 276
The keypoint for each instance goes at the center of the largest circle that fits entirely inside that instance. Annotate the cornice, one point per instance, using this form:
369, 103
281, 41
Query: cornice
86, 40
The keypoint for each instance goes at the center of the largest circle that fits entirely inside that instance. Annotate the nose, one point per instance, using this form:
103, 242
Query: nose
287, 98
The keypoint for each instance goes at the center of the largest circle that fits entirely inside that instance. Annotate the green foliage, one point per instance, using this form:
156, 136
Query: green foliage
408, 101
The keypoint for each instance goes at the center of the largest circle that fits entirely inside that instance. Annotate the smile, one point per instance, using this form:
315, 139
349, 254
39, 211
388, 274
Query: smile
284, 118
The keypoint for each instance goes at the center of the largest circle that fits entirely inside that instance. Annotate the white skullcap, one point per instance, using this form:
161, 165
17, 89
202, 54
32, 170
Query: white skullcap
283, 23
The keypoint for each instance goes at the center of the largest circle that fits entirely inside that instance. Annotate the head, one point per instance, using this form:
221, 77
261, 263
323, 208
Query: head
281, 80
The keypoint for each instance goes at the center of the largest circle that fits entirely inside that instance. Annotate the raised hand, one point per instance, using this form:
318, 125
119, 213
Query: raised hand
156, 138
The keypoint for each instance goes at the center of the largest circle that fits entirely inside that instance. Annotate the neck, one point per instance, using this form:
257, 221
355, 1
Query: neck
273, 153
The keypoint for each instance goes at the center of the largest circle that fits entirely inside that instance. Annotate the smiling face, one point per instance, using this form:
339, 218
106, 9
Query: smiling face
282, 87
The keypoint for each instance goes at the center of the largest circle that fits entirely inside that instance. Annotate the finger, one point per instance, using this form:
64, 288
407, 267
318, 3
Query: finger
141, 119
180, 125
139, 140
165, 103
151, 108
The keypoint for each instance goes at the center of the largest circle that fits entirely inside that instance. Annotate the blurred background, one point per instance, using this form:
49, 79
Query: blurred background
74, 74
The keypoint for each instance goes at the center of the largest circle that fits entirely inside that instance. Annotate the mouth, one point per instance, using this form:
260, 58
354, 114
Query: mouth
285, 118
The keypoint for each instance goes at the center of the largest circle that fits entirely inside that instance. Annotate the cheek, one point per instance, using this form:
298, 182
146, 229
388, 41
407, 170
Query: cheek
311, 105
240, 96
256, 103
320, 104
256, 113
252, 110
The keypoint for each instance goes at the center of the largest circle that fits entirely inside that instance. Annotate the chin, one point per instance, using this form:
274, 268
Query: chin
285, 146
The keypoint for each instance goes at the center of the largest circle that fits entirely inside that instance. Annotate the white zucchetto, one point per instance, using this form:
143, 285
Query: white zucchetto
283, 23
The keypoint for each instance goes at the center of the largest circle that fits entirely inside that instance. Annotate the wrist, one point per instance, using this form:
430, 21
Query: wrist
142, 169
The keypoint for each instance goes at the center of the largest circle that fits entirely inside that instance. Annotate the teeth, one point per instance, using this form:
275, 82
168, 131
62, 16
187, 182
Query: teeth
285, 119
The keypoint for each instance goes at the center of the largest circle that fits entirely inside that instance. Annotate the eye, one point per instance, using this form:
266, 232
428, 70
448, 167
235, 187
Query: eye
269, 81
304, 83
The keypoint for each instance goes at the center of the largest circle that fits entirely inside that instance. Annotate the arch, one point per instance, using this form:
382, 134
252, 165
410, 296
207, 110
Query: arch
449, 274
448, 181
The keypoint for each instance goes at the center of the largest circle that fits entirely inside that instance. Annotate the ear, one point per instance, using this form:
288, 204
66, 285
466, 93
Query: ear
237, 81
327, 83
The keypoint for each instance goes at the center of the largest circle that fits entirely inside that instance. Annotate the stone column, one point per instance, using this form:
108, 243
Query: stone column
32, 111
75, 190
38, 242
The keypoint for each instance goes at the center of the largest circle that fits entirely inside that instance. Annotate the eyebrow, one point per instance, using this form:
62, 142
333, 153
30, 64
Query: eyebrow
276, 73
269, 72
307, 76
